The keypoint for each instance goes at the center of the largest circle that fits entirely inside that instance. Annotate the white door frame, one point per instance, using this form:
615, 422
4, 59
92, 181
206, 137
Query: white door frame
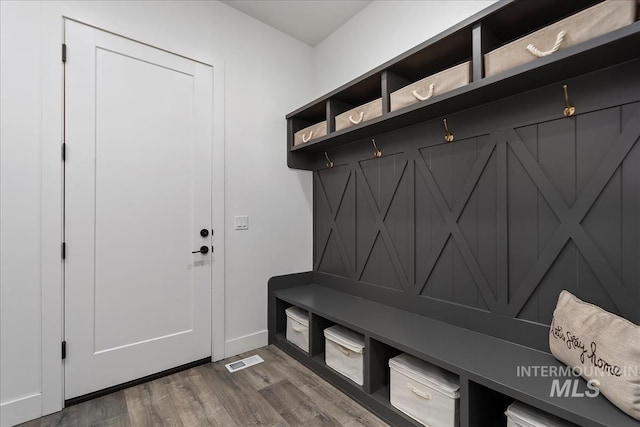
52, 198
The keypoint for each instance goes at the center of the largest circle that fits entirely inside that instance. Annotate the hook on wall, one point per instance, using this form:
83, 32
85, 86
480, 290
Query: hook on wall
569, 110
376, 153
329, 162
448, 136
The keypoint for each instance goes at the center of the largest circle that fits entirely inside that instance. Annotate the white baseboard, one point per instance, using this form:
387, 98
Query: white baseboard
246, 343
20, 410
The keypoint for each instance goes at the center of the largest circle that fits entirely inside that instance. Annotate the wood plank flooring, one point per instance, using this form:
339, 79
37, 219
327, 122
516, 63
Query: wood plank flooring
279, 392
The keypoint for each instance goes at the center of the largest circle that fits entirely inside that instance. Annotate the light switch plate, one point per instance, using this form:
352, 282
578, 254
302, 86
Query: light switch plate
241, 222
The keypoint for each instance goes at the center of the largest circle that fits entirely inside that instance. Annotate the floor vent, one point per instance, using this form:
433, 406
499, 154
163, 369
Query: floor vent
244, 363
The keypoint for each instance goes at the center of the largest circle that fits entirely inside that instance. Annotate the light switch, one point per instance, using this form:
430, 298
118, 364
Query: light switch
241, 222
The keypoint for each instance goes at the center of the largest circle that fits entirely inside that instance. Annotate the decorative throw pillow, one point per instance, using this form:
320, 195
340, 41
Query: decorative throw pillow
600, 346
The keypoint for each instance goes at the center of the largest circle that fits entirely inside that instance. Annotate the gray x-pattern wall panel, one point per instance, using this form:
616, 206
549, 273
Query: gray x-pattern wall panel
451, 227
500, 221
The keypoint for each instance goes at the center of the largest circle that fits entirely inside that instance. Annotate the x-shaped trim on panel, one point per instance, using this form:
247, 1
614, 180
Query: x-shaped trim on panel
571, 218
451, 227
379, 216
332, 224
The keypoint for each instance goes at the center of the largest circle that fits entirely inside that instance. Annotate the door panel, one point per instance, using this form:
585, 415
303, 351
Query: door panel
138, 191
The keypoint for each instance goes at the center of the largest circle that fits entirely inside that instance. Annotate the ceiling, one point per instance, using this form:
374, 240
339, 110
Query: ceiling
309, 21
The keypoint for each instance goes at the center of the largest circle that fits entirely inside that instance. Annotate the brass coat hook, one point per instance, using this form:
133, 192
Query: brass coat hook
569, 110
376, 153
449, 136
329, 162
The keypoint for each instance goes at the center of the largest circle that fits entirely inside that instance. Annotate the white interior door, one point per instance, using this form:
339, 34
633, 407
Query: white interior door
138, 124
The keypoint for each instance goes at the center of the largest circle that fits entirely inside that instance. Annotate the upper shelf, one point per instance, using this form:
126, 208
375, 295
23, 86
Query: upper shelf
493, 27
611, 49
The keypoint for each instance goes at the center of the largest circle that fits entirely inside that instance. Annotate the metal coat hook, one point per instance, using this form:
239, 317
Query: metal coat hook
329, 162
569, 110
449, 136
376, 153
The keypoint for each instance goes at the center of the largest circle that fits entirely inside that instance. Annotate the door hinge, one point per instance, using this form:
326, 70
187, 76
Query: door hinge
64, 151
64, 250
64, 350
64, 52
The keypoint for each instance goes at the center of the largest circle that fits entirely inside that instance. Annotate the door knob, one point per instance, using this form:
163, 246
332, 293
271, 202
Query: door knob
203, 250
204, 232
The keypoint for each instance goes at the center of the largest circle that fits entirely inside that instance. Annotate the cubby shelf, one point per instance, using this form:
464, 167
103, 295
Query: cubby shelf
469, 40
487, 366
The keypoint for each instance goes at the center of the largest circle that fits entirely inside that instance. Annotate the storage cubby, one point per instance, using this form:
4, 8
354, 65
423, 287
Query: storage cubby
281, 318
555, 33
306, 116
365, 90
380, 384
296, 124
377, 368
500, 28
486, 406
312, 114
317, 325
443, 52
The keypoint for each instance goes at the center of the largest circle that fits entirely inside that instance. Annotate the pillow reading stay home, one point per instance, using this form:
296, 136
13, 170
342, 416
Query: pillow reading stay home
600, 346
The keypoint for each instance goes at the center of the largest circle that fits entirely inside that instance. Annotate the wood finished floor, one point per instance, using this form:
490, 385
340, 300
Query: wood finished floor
278, 392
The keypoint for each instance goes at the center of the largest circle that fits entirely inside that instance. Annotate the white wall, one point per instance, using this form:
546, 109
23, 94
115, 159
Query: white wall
20, 132
380, 32
267, 74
